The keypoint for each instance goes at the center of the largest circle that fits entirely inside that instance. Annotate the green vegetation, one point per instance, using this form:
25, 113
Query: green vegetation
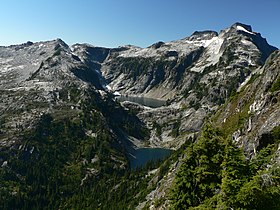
238, 106
230, 55
276, 85
158, 128
195, 104
175, 130
134, 67
75, 161
50, 168
215, 175
199, 175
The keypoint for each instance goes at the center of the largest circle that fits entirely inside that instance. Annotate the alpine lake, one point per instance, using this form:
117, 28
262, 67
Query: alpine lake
141, 156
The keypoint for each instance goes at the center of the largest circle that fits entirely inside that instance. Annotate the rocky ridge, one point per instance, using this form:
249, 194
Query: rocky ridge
34, 78
162, 70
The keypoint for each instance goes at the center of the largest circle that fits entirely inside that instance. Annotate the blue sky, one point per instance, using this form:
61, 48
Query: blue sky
113, 23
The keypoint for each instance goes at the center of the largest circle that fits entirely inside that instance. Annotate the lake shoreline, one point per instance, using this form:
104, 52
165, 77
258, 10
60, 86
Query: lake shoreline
144, 101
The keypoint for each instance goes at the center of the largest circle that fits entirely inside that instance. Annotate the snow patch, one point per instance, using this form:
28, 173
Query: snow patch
32, 149
182, 47
108, 87
246, 42
240, 28
116, 93
244, 83
5, 163
204, 43
212, 54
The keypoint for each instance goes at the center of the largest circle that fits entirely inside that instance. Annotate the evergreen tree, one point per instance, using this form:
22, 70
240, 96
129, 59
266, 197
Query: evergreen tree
199, 176
234, 174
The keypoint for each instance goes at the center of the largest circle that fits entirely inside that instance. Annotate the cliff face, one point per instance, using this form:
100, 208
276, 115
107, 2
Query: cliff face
257, 102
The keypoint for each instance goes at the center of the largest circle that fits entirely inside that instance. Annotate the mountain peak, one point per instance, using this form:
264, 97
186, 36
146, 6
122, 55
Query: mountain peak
245, 26
204, 33
61, 42
157, 45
